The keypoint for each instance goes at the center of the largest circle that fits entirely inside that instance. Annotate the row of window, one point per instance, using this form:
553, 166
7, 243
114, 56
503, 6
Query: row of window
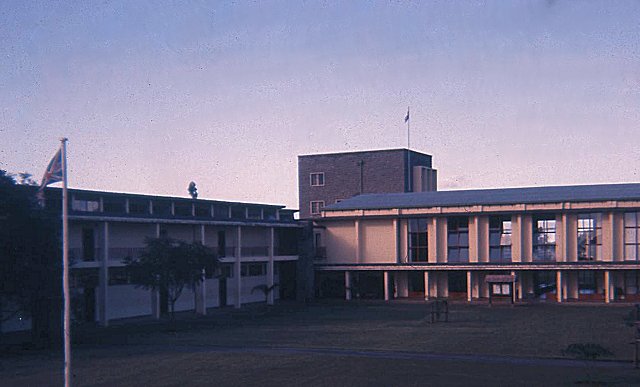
588, 238
168, 208
120, 275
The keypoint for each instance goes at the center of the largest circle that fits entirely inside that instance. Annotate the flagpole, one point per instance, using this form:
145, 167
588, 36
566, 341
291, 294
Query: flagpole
409, 149
65, 267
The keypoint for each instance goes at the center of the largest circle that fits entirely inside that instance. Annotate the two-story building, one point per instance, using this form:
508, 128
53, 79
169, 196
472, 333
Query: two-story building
559, 243
257, 244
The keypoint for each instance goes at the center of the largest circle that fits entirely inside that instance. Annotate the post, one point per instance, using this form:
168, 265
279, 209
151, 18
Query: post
407, 119
469, 285
270, 270
607, 287
347, 285
65, 268
426, 285
559, 286
386, 285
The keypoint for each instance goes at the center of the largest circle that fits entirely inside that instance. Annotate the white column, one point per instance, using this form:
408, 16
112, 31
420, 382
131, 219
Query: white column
426, 285
270, 271
103, 291
202, 235
237, 267
607, 287
386, 285
559, 286
469, 286
347, 285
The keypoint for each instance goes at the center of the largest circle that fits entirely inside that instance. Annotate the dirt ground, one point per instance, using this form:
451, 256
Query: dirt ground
338, 343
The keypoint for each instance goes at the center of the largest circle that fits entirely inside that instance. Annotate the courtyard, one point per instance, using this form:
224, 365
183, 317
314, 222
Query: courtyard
344, 343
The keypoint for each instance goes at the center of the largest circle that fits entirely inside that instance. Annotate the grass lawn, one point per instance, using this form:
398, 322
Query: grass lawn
337, 343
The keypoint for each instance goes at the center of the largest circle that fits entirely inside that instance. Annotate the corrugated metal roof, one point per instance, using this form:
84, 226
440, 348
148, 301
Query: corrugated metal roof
529, 195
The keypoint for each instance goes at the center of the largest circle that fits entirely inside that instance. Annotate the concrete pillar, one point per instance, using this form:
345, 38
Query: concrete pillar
443, 284
238, 267
607, 287
432, 236
473, 239
426, 285
396, 240
358, 241
607, 236
513, 290
483, 239
469, 286
202, 235
270, 268
559, 286
441, 246
155, 294
516, 238
347, 285
103, 280
386, 285
526, 235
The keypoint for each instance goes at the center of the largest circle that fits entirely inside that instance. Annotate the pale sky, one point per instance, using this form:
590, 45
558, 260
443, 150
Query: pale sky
155, 94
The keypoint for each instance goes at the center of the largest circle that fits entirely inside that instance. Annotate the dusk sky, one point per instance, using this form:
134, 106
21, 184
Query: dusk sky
153, 95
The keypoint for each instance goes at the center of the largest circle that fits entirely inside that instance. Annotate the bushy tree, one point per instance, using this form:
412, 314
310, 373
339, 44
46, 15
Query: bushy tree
168, 266
29, 260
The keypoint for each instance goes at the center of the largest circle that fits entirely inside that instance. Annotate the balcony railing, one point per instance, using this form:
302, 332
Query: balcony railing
255, 251
120, 253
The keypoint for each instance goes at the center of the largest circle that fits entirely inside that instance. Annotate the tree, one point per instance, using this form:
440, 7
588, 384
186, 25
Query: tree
193, 191
29, 258
168, 265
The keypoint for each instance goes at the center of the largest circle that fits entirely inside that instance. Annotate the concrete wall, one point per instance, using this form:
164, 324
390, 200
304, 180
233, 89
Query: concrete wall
341, 242
130, 235
377, 240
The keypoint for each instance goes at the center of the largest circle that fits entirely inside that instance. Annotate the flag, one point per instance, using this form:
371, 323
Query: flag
406, 118
53, 174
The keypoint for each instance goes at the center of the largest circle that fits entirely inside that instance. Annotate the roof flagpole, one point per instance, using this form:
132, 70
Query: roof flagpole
65, 268
407, 119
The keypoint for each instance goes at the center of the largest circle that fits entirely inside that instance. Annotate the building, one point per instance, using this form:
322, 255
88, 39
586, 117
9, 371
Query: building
257, 244
555, 243
325, 179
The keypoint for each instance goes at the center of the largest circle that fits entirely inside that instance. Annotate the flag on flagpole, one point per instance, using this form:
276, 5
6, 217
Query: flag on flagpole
53, 174
406, 118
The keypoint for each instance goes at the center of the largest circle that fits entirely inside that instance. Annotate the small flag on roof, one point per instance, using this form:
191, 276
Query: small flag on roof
406, 118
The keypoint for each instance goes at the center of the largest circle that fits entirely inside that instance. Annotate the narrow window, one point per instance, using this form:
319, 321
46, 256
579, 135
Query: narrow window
589, 237
316, 207
499, 239
317, 179
458, 239
544, 239
631, 223
418, 241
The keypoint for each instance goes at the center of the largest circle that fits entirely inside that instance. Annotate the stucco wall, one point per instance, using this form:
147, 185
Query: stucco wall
377, 241
127, 301
341, 242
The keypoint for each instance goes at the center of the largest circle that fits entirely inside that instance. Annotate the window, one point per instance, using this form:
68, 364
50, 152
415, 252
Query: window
589, 237
316, 207
113, 205
85, 205
631, 225
499, 239
544, 239
238, 212
182, 209
418, 245
253, 269
254, 213
317, 179
138, 207
458, 239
